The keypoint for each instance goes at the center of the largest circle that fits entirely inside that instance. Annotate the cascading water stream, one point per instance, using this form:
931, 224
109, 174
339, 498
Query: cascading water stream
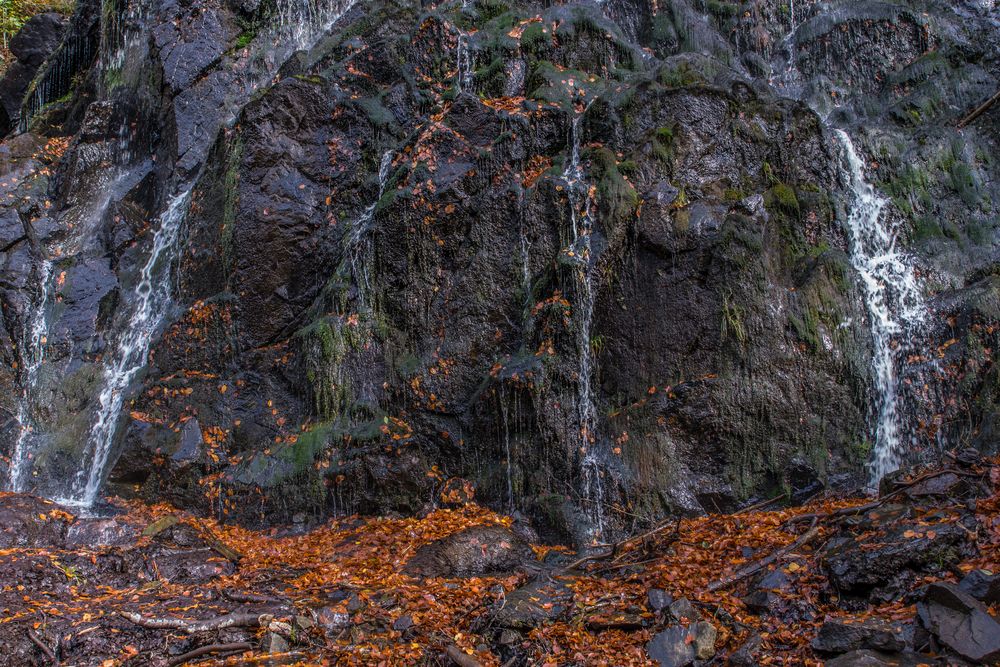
32, 353
893, 297
155, 298
359, 242
582, 226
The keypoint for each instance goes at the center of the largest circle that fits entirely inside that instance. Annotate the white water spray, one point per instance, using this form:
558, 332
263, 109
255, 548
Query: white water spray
894, 300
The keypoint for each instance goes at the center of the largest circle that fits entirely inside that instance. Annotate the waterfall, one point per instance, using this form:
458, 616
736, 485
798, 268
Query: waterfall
359, 241
892, 295
153, 293
33, 343
582, 227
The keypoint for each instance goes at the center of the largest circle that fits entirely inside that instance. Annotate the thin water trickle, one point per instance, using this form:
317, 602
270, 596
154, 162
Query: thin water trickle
463, 78
893, 298
514, 84
359, 241
507, 451
32, 354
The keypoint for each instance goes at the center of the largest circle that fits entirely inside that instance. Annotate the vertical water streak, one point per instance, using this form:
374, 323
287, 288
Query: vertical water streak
893, 298
463, 79
154, 298
33, 341
514, 84
581, 221
504, 413
359, 242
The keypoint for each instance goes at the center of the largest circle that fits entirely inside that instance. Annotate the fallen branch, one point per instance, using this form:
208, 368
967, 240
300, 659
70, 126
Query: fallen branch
211, 648
192, 626
979, 111
615, 549
759, 565
36, 640
461, 658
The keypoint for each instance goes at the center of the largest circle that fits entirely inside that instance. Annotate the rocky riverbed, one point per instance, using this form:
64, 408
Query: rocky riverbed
904, 579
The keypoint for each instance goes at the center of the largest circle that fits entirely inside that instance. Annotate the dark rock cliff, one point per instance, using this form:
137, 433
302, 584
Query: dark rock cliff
591, 258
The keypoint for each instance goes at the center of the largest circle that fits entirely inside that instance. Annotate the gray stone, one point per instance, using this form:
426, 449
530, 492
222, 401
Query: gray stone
674, 647
960, 622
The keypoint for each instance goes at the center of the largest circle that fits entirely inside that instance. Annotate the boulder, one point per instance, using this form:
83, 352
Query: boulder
38, 38
869, 658
960, 622
101, 532
658, 599
473, 552
189, 566
841, 635
855, 567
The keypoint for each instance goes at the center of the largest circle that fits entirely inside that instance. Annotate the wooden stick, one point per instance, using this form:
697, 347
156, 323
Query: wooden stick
233, 620
211, 648
979, 111
757, 566
36, 640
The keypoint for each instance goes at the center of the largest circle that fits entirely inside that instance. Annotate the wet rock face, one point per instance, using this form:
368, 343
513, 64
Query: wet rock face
386, 277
